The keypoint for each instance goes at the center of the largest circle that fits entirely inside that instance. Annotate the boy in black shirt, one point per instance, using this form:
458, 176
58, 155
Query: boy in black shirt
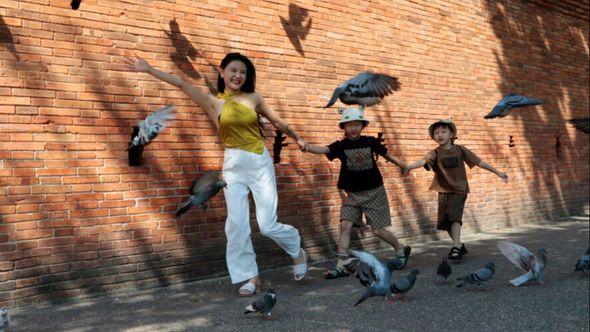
361, 180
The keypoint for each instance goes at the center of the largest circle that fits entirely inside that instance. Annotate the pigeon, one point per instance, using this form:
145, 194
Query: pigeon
524, 259
583, 263
152, 126
201, 191
263, 304
365, 89
4, 319
444, 270
506, 104
403, 285
75, 4
582, 124
376, 275
484, 274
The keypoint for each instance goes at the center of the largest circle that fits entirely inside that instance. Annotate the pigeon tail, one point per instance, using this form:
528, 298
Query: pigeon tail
522, 279
185, 207
335, 96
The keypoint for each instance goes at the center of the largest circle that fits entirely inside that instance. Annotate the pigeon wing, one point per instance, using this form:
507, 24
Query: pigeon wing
518, 255
582, 124
204, 182
379, 270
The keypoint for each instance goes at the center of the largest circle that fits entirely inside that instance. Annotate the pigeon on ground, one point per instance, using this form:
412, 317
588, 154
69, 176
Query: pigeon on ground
202, 190
484, 274
378, 274
520, 256
4, 319
365, 89
403, 285
582, 124
506, 104
583, 263
152, 126
443, 270
263, 304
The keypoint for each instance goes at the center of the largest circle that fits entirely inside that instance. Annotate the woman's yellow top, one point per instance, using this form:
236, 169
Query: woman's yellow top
238, 126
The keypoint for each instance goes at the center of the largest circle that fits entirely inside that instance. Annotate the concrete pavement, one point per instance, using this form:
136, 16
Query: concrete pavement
318, 304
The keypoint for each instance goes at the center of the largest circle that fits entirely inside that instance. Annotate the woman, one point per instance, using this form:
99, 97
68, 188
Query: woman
247, 165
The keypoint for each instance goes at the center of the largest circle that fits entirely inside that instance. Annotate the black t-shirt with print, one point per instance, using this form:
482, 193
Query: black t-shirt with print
358, 169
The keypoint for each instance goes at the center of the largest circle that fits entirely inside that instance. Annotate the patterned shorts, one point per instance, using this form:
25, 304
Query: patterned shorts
372, 203
450, 210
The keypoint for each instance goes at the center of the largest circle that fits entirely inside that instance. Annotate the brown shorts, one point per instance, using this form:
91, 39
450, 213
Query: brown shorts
372, 203
450, 210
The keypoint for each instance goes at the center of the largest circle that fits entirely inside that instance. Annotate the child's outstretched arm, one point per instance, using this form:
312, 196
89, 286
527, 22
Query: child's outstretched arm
491, 168
317, 149
418, 163
400, 163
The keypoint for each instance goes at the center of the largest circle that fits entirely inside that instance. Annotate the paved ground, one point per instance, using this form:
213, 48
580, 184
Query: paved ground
318, 304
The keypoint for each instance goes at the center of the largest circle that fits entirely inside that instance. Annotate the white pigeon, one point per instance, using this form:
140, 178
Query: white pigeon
4, 319
152, 126
534, 266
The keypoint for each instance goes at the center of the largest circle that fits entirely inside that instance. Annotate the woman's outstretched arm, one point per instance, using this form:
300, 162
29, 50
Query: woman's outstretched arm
278, 122
209, 103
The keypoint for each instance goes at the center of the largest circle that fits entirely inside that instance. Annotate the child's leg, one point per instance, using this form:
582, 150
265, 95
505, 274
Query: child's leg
388, 237
344, 242
455, 234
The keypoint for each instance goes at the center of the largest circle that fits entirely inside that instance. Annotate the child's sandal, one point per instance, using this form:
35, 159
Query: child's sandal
455, 253
335, 273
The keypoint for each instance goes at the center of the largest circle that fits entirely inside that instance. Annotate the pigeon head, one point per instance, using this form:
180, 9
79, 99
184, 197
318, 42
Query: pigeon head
491, 266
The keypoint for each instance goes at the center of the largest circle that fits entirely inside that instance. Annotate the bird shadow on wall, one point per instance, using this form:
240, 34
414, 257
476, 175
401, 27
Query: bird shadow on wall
297, 26
185, 53
554, 44
7, 40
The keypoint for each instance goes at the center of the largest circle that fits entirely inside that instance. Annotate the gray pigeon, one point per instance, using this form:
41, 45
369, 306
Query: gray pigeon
484, 274
583, 263
403, 285
4, 319
152, 126
365, 89
376, 275
202, 190
506, 104
263, 304
534, 266
444, 270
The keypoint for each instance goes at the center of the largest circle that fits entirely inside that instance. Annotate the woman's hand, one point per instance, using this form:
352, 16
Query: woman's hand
138, 65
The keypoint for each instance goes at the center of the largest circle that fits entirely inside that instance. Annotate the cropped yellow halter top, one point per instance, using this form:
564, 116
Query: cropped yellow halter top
238, 126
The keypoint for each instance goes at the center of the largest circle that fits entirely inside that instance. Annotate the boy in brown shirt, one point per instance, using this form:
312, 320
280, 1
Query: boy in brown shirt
450, 179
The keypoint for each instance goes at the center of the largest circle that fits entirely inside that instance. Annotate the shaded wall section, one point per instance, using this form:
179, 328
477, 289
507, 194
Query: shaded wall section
76, 219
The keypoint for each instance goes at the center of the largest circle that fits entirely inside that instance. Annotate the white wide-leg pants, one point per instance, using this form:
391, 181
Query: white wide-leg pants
245, 171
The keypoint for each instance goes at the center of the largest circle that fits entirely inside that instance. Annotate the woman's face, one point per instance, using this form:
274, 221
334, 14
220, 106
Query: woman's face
234, 75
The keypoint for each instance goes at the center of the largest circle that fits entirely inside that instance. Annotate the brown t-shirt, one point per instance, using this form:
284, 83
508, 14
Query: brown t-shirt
449, 168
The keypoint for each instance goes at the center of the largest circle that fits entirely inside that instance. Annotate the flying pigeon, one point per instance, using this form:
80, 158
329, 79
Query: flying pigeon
484, 274
403, 285
201, 191
152, 126
378, 275
4, 319
506, 104
583, 263
75, 4
263, 304
444, 270
582, 124
365, 89
520, 256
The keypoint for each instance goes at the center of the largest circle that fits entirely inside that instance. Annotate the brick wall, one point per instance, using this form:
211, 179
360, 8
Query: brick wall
75, 219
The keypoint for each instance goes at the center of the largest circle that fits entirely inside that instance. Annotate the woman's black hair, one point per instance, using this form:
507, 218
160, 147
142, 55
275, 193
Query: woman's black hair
250, 84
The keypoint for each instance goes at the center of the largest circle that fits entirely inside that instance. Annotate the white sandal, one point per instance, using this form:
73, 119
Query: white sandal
300, 270
247, 289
